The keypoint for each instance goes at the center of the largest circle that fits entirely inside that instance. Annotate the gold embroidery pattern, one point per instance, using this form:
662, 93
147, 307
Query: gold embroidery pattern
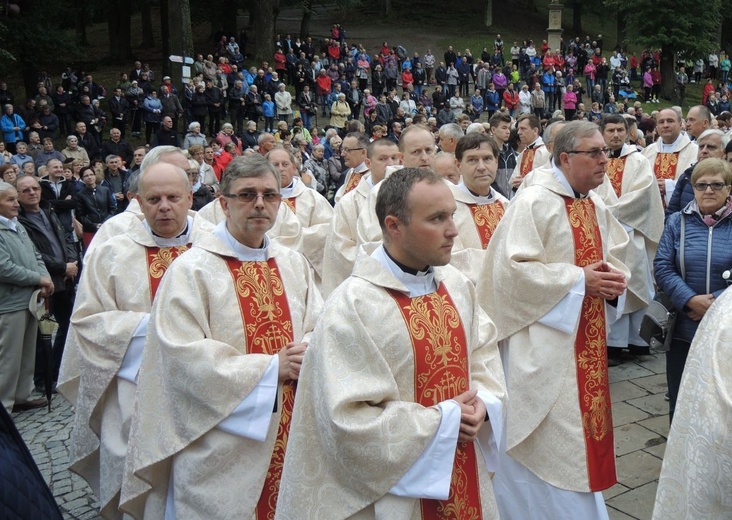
614, 170
158, 261
268, 328
353, 182
665, 165
486, 218
527, 161
290, 203
591, 353
440, 373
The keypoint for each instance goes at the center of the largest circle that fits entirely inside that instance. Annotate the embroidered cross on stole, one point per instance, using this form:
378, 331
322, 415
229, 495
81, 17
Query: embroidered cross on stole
590, 350
353, 181
267, 324
290, 203
486, 218
665, 165
158, 261
441, 372
614, 170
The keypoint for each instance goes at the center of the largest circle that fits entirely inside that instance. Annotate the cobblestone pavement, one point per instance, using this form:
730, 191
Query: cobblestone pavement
640, 417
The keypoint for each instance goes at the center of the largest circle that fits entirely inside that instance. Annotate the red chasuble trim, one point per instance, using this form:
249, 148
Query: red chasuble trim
486, 218
353, 181
265, 314
614, 170
441, 372
290, 203
590, 348
158, 261
527, 161
665, 165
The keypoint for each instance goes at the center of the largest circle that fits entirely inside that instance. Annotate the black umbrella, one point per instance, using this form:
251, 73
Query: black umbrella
46, 327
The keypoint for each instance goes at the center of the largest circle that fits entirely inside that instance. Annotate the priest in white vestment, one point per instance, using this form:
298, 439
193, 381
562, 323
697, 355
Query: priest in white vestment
401, 395
353, 152
227, 336
109, 322
479, 207
312, 209
534, 155
553, 281
696, 476
640, 211
341, 246
672, 153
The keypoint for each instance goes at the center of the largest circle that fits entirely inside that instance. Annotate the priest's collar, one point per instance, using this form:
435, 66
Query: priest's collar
180, 240
418, 283
615, 154
536, 144
670, 148
286, 193
479, 199
242, 252
559, 175
361, 168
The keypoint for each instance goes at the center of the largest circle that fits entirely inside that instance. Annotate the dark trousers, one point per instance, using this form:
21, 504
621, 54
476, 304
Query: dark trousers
119, 125
675, 362
150, 129
214, 123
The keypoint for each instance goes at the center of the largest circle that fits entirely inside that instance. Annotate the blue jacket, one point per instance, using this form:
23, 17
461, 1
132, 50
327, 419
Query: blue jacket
492, 100
707, 255
153, 108
7, 123
547, 82
683, 192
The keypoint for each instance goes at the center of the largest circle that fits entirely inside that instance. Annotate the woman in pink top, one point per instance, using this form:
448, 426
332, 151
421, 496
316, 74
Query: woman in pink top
647, 84
590, 70
570, 103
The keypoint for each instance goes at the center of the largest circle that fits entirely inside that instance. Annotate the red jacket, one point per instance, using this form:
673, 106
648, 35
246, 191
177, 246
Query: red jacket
323, 83
511, 99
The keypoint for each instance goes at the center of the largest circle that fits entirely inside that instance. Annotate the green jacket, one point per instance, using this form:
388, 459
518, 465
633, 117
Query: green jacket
21, 269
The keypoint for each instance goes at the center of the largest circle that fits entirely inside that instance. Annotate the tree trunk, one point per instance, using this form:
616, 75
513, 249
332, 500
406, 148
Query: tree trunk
264, 22
488, 13
81, 19
622, 32
668, 78
181, 39
148, 39
385, 7
165, 36
119, 23
229, 25
577, 18
307, 14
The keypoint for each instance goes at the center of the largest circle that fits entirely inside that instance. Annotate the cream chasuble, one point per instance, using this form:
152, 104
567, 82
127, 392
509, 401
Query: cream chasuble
670, 161
117, 225
354, 176
696, 477
536, 155
101, 355
341, 242
476, 219
359, 433
200, 368
315, 214
530, 268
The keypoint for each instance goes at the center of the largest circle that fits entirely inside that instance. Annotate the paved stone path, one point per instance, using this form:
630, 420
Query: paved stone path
640, 417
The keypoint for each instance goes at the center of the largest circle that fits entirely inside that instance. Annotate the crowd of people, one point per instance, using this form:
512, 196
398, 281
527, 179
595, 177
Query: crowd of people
271, 316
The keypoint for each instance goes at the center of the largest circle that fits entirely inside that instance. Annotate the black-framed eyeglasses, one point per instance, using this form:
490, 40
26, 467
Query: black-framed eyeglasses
348, 150
251, 196
595, 153
702, 186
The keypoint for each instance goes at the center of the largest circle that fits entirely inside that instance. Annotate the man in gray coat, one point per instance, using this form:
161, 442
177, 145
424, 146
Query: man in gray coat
22, 271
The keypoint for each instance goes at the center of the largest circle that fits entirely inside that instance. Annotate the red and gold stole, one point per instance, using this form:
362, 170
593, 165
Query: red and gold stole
441, 372
590, 349
265, 314
158, 261
486, 218
527, 160
353, 181
290, 203
665, 165
614, 170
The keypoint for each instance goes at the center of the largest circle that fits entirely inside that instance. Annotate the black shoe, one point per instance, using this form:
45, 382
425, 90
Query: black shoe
614, 357
637, 350
30, 405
